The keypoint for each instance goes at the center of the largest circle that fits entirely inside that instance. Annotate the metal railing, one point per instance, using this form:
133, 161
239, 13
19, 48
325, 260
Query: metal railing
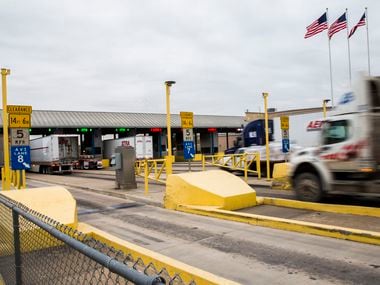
151, 169
34, 249
235, 162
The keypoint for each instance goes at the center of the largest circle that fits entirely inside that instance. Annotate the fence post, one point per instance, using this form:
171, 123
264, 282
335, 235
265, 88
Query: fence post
245, 168
258, 165
146, 183
16, 241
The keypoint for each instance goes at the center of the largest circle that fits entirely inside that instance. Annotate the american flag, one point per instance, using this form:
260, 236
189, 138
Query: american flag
317, 26
338, 25
359, 24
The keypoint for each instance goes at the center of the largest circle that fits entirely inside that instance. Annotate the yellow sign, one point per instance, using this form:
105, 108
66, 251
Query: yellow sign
187, 120
19, 121
19, 109
284, 122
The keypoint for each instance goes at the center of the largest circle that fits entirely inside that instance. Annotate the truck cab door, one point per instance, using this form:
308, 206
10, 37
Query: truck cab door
333, 151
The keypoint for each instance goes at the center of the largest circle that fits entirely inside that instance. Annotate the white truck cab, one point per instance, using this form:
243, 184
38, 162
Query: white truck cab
347, 160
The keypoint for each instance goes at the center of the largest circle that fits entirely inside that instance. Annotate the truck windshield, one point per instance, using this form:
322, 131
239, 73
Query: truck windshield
335, 132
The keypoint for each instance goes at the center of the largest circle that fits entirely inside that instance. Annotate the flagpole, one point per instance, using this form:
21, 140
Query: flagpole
348, 45
369, 62
331, 80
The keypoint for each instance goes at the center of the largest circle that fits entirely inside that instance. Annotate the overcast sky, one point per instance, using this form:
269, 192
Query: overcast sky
115, 55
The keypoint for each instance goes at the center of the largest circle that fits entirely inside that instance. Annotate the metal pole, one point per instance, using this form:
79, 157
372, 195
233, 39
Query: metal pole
265, 95
146, 182
169, 161
16, 241
348, 45
331, 78
369, 62
7, 180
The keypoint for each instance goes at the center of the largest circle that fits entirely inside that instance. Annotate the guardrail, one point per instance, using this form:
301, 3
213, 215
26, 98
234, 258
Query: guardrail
35, 249
151, 169
235, 162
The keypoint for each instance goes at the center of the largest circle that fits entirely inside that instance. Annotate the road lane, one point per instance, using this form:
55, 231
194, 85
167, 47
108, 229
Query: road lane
244, 253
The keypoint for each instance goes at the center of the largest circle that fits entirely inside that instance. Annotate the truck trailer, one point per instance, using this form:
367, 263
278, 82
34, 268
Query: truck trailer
347, 159
142, 144
54, 153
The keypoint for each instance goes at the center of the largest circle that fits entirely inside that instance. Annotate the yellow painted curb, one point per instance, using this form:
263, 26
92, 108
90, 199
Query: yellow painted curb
340, 209
186, 272
286, 224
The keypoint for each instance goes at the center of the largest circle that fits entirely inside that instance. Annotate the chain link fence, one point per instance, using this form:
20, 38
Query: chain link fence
35, 249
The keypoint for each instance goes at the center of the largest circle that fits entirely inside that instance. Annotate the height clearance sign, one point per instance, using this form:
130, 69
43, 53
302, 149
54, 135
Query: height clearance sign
20, 121
188, 136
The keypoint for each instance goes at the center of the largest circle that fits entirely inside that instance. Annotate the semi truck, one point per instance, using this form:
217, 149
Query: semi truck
142, 144
54, 153
347, 158
252, 134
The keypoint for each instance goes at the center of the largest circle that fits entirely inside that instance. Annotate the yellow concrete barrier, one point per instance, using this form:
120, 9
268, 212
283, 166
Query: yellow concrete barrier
280, 176
105, 163
208, 188
55, 202
198, 157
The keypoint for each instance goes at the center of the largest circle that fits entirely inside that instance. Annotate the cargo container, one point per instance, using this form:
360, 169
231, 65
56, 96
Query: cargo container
54, 154
142, 144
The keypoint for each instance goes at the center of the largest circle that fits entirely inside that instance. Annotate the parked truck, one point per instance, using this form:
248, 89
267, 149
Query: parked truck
142, 144
54, 154
347, 159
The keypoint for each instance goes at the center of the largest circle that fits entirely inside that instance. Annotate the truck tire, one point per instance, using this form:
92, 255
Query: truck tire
308, 187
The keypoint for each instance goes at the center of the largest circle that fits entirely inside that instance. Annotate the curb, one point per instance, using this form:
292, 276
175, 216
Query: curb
356, 235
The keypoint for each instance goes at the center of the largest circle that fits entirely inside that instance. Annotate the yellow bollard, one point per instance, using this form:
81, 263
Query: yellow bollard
17, 179
146, 183
2, 178
23, 185
203, 162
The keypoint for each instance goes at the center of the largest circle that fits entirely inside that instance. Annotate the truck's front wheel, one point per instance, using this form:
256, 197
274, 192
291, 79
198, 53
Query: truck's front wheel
308, 187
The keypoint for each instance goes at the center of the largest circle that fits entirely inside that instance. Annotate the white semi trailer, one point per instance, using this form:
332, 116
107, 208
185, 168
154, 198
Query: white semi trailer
54, 154
142, 144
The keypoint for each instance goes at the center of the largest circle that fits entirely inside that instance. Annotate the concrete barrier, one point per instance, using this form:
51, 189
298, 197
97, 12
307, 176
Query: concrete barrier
208, 188
55, 202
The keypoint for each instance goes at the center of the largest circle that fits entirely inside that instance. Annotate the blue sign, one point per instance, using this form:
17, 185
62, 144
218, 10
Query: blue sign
188, 149
20, 157
285, 145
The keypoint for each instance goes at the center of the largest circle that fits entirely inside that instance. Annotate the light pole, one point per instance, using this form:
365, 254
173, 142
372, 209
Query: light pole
325, 101
169, 160
6, 173
265, 96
